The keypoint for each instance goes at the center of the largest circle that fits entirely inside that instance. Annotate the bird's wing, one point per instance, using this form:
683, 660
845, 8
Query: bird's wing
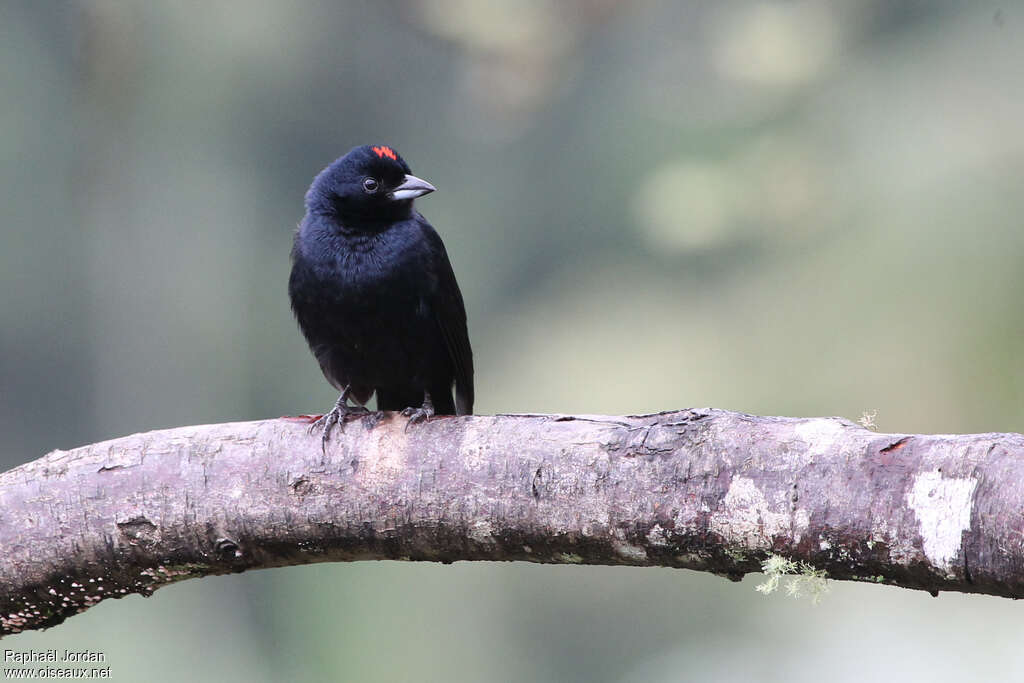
450, 314
328, 366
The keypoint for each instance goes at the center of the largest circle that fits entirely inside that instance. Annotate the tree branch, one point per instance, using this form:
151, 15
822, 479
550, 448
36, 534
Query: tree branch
702, 489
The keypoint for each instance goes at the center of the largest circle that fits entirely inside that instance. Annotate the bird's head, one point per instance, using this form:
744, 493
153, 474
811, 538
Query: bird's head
369, 185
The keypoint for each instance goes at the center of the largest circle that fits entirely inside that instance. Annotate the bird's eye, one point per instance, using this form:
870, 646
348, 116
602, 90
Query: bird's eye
370, 184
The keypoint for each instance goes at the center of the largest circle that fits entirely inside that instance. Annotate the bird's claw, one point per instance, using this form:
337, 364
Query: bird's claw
337, 416
416, 415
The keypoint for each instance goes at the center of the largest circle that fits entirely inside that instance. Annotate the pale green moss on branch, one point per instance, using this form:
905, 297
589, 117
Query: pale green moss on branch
801, 578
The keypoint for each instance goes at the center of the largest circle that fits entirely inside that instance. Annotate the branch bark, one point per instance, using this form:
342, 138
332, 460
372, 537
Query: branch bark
700, 489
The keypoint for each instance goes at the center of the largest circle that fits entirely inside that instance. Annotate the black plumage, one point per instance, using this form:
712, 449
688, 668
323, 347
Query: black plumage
374, 292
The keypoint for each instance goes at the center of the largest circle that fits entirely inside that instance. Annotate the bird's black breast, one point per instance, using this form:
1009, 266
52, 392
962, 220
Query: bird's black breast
362, 302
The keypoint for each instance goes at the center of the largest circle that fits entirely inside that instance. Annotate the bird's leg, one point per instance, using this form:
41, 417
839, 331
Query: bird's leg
419, 414
337, 415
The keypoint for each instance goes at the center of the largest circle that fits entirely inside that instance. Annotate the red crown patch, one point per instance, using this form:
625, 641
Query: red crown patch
385, 152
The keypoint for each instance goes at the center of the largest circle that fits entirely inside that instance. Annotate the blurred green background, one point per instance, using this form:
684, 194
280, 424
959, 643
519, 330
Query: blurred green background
795, 208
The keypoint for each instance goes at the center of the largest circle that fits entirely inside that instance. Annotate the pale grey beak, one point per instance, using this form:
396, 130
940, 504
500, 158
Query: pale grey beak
411, 188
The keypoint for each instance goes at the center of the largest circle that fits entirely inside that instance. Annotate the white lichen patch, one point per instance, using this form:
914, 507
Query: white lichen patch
629, 551
692, 560
943, 509
819, 434
657, 536
749, 518
801, 520
482, 531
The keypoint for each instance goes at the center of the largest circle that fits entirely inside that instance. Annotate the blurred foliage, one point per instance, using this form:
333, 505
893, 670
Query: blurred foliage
800, 208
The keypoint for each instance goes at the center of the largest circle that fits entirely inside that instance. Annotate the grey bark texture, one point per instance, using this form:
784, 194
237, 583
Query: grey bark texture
704, 489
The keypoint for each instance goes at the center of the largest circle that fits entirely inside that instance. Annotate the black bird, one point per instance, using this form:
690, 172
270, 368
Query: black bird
375, 295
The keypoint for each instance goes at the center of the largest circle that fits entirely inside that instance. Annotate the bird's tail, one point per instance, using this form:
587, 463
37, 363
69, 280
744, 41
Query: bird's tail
463, 400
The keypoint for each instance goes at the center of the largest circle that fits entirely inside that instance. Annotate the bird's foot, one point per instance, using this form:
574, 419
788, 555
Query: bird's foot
419, 414
374, 418
337, 416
